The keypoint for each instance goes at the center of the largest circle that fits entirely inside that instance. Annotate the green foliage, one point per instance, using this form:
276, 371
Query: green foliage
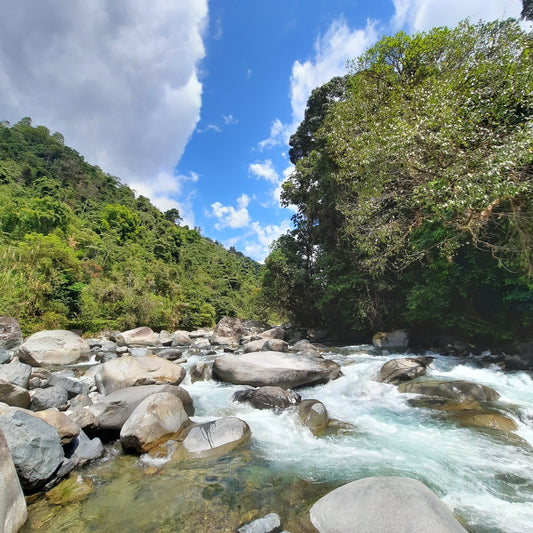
79, 250
413, 187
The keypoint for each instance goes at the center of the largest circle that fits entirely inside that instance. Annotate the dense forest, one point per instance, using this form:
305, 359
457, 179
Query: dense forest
414, 191
79, 249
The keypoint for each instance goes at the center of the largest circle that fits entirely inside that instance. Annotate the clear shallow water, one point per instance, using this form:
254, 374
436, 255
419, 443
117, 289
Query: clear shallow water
484, 476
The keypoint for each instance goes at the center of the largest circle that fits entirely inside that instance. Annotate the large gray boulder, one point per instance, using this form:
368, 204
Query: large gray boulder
54, 348
403, 369
229, 330
83, 449
142, 336
269, 397
48, 398
35, 447
156, 416
111, 412
181, 338
130, 371
216, 437
10, 333
279, 369
392, 339
68, 430
383, 505
13, 510
459, 390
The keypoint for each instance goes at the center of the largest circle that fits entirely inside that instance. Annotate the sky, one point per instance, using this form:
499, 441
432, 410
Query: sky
192, 102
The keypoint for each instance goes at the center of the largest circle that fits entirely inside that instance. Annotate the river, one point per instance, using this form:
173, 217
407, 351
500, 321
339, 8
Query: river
484, 476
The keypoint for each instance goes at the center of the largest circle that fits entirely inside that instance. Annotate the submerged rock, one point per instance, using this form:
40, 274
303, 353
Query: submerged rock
271, 523
54, 348
72, 490
274, 368
268, 397
383, 505
403, 369
314, 415
13, 511
158, 415
130, 371
216, 437
458, 390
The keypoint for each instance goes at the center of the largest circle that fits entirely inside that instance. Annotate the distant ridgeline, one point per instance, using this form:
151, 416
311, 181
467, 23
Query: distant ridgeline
414, 190
79, 250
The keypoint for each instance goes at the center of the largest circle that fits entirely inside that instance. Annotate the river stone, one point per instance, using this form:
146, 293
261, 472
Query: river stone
480, 419
403, 369
5, 356
142, 336
391, 339
42, 399
156, 416
269, 398
216, 437
255, 346
274, 333
200, 372
35, 447
275, 345
304, 347
10, 333
165, 337
274, 368
67, 429
83, 449
458, 390
112, 411
130, 371
72, 385
181, 338
271, 523
54, 348
14, 395
314, 415
383, 505
17, 373
229, 330
13, 510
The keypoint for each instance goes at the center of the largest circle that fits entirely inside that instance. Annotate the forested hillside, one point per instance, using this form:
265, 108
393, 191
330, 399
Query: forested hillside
79, 250
414, 190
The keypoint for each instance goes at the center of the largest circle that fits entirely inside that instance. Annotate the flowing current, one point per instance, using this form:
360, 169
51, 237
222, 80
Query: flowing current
484, 476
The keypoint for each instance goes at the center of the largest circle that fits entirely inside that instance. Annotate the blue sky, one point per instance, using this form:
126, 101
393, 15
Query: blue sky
192, 102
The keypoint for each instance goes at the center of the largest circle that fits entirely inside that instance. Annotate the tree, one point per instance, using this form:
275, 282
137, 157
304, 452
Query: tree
527, 9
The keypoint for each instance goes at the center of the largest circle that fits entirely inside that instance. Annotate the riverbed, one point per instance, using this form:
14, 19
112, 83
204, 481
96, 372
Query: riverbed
485, 476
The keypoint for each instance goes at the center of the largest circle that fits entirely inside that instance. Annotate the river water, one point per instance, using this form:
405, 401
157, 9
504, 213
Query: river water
484, 476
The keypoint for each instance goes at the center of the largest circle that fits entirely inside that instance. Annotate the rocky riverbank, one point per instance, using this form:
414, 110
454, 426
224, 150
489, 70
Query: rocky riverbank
63, 397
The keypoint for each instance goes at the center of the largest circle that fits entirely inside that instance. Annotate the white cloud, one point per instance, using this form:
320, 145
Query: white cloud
425, 14
279, 133
228, 216
117, 77
229, 119
265, 171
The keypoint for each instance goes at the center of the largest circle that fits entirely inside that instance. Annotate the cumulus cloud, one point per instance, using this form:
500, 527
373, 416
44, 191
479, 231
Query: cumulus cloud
265, 171
425, 14
117, 77
230, 217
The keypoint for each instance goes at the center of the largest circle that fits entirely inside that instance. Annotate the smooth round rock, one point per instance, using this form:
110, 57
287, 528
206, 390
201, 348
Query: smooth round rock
458, 390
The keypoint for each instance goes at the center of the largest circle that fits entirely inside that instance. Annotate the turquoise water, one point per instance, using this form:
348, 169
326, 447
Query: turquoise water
484, 476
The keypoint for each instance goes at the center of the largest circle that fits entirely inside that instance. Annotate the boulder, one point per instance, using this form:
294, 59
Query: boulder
5, 355
481, 419
156, 416
17, 373
200, 372
304, 347
35, 447
181, 338
68, 382
229, 330
255, 346
171, 354
216, 437
459, 390
13, 510
130, 371
67, 429
274, 333
165, 338
392, 339
54, 348
382, 505
83, 449
271, 523
10, 333
314, 415
275, 345
142, 336
274, 368
112, 411
269, 397
50, 397
316, 335
403, 369
39, 378
14, 395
